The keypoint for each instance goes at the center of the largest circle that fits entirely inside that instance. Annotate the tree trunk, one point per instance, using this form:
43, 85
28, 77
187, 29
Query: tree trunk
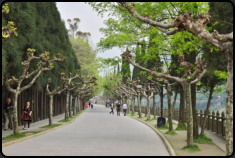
173, 105
67, 106
70, 104
189, 115
169, 112
229, 111
148, 108
50, 110
154, 107
182, 108
139, 105
75, 103
161, 105
79, 104
132, 105
195, 123
15, 119
207, 109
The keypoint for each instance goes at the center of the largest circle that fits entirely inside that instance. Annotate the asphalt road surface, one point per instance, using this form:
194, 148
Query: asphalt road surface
95, 133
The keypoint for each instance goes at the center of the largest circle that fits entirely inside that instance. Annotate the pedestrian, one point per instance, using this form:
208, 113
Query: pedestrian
84, 105
27, 115
89, 104
106, 104
118, 108
111, 107
92, 105
8, 113
124, 107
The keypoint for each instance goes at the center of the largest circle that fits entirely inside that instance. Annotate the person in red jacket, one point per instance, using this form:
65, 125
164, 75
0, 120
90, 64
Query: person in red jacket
84, 105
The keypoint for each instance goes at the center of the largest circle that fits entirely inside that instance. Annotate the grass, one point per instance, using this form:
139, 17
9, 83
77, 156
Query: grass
71, 117
203, 140
166, 126
51, 126
19, 135
181, 127
154, 118
139, 117
64, 120
148, 120
191, 148
133, 114
171, 132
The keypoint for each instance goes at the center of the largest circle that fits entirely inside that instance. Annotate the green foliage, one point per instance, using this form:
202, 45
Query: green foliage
166, 126
191, 148
39, 26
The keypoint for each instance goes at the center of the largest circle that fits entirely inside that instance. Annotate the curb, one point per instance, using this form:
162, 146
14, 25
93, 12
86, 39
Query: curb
38, 134
165, 141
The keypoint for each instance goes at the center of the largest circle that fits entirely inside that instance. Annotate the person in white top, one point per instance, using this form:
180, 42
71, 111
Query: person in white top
124, 107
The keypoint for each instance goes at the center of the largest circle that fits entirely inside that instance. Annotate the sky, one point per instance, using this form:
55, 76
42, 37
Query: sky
89, 22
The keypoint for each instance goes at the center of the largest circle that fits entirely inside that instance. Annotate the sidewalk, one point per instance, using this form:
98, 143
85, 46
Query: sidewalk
179, 140
35, 125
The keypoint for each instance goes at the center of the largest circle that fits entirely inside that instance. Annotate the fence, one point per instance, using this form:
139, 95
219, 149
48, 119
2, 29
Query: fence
39, 102
215, 122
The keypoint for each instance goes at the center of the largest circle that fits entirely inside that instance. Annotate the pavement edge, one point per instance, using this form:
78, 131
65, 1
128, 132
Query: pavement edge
165, 141
35, 135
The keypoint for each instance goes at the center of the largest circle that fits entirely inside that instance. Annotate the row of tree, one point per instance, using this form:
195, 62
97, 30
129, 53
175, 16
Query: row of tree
24, 67
176, 29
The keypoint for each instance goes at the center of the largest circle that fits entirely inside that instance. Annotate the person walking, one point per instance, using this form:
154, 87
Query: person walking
118, 108
8, 113
27, 115
89, 104
111, 107
124, 107
84, 105
92, 105
106, 104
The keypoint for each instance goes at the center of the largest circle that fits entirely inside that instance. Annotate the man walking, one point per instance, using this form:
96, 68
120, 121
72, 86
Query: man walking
124, 107
118, 108
8, 113
111, 108
89, 104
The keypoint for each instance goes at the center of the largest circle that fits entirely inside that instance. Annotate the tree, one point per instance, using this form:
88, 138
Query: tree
125, 70
73, 26
25, 75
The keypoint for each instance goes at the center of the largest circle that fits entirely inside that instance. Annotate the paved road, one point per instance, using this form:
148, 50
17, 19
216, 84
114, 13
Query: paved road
95, 132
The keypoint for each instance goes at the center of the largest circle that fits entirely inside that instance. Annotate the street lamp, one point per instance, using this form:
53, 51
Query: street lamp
161, 121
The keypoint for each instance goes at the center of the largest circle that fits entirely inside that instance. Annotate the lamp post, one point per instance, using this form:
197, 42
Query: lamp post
161, 121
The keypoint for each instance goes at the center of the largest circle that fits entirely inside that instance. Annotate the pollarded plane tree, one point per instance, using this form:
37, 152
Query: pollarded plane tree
197, 27
77, 95
63, 86
90, 80
113, 92
129, 92
44, 61
169, 93
186, 81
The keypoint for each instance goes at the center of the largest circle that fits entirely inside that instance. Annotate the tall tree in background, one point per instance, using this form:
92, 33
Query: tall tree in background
125, 70
136, 71
73, 26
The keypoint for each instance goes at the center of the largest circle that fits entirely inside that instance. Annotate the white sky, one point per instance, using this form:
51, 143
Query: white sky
89, 22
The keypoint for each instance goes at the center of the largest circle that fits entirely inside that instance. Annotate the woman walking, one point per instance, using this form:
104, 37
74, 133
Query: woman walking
27, 115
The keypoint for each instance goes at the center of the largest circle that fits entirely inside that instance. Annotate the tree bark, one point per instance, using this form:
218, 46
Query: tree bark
75, 103
169, 112
154, 107
15, 119
50, 109
182, 108
229, 112
207, 109
195, 123
132, 105
148, 108
70, 104
189, 115
67, 106
139, 105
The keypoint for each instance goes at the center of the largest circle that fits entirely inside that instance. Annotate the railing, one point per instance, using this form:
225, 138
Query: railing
215, 122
